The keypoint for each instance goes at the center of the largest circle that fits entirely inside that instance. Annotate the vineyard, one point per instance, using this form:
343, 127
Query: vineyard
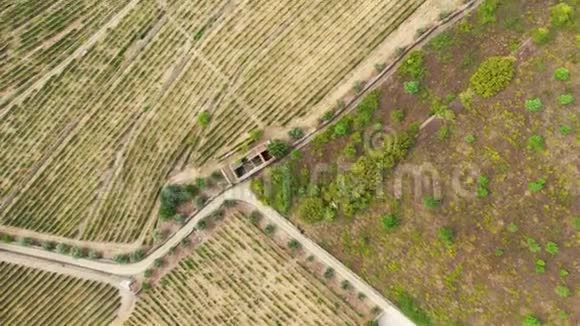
34, 297
87, 148
240, 277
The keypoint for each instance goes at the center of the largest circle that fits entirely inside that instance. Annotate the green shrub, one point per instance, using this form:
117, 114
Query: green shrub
537, 186
398, 115
444, 132
492, 76
342, 127
137, 255
6, 238
148, 273
201, 225
293, 244
255, 217
536, 143
513, 228
48, 245
446, 235
345, 285
78, 252
441, 42
329, 273
358, 86
431, 202
203, 118
498, 252
561, 15
562, 74
551, 248
327, 115
541, 35
269, 229
159, 262
256, 135
482, 186
62, 248
576, 223
562, 291
296, 133
563, 272
121, 259
531, 320
278, 148
94, 254
25, 241
566, 99
540, 266
390, 222
414, 66
534, 105
487, 11
470, 139
411, 309
533, 245
311, 210
565, 130
412, 87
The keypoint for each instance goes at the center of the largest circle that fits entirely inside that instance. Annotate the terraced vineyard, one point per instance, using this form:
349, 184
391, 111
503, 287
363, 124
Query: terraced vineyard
240, 277
35, 297
86, 151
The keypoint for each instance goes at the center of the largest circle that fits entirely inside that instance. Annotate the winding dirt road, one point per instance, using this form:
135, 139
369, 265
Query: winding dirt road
119, 275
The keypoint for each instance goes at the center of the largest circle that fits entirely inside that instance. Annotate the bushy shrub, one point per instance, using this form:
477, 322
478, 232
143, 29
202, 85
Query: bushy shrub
121, 259
470, 139
342, 127
444, 132
536, 186
414, 66
561, 15
540, 266
492, 76
201, 225
533, 245
565, 129
534, 105
562, 74
552, 248
562, 291
293, 244
296, 133
62, 248
482, 186
311, 210
203, 118
541, 35
329, 273
159, 262
390, 222
446, 235
398, 115
431, 202
172, 196
278, 148
487, 11
531, 320
255, 217
48, 245
566, 99
536, 143
412, 87
78, 252
269, 229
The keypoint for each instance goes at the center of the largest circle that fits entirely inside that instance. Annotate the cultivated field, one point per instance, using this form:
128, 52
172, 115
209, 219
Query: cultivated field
239, 276
108, 98
34, 297
474, 219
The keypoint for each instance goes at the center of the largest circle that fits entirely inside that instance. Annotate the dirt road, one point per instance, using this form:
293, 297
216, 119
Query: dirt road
113, 273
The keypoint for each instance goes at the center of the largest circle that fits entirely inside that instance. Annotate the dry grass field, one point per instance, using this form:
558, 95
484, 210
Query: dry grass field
34, 297
102, 100
239, 276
